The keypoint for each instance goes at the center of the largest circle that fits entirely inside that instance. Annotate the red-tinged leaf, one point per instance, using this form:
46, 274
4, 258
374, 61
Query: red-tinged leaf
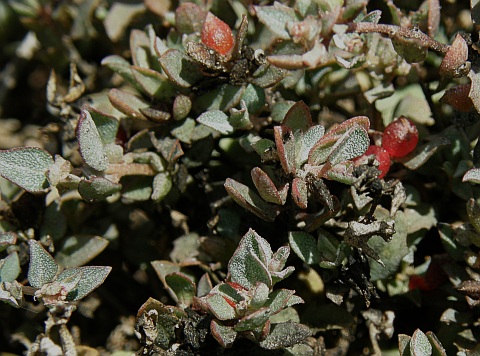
300, 193
298, 117
285, 142
457, 97
453, 64
248, 199
266, 187
340, 129
217, 35
225, 335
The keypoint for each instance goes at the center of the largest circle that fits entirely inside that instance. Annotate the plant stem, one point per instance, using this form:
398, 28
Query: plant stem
392, 31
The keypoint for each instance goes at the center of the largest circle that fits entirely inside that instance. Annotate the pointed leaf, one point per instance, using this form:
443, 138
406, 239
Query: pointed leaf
225, 335
298, 117
10, 269
97, 189
300, 192
162, 184
128, 103
246, 269
222, 307
309, 139
107, 125
92, 278
78, 250
266, 187
42, 268
305, 246
254, 320
419, 344
248, 199
276, 18
90, 144
216, 120
285, 142
26, 167
183, 287
180, 69
152, 82
353, 144
285, 335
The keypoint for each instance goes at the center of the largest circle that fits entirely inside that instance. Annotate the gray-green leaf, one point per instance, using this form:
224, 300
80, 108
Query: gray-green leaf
26, 167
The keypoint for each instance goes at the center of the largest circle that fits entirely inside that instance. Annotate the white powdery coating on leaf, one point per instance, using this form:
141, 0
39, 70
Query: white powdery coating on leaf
90, 143
42, 268
92, 277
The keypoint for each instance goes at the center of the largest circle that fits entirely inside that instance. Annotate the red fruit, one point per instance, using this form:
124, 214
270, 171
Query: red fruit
217, 35
400, 137
382, 157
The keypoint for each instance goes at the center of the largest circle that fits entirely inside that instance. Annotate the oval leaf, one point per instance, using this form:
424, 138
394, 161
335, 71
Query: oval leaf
79, 250
247, 198
266, 187
217, 120
26, 167
90, 144
305, 246
183, 287
97, 189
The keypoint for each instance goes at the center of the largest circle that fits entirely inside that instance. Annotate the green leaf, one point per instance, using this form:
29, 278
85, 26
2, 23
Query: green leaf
391, 253
97, 189
298, 117
353, 144
276, 18
153, 83
472, 176
247, 265
266, 187
80, 249
92, 278
26, 167
222, 98
127, 103
120, 66
285, 142
253, 321
225, 335
248, 199
42, 268
305, 246
162, 184
180, 69
161, 320
107, 125
285, 335
90, 144
419, 344
309, 139
183, 287
216, 120
7, 239
221, 306
278, 299
10, 267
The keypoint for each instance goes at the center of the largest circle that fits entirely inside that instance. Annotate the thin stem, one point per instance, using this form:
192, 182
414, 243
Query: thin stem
393, 31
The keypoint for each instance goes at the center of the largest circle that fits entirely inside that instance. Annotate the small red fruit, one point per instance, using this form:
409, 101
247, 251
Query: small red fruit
381, 156
217, 35
400, 137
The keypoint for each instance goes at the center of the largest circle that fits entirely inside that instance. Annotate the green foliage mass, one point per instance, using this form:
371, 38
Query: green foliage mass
192, 177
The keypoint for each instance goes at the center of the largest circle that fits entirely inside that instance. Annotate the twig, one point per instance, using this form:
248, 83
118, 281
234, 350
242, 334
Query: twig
394, 31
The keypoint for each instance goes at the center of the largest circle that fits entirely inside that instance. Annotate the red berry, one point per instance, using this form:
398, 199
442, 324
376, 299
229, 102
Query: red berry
382, 157
217, 35
400, 137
